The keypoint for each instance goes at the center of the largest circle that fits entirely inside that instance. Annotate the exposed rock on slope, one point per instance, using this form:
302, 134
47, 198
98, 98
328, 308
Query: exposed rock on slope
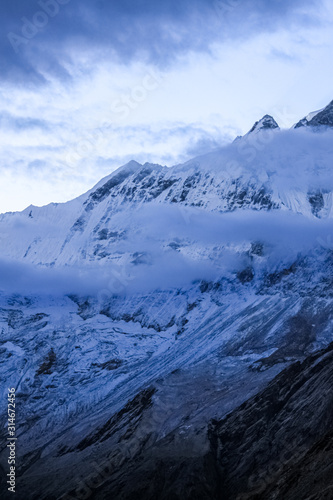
136, 315
322, 118
278, 445
266, 123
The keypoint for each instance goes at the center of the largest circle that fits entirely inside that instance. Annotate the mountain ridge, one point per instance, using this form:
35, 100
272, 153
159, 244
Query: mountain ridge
158, 302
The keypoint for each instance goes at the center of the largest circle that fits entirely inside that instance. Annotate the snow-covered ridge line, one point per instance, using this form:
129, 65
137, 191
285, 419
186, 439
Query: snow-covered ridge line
269, 170
163, 298
318, 119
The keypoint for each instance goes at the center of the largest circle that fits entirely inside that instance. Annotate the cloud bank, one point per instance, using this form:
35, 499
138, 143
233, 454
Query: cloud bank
49, 37
212, 246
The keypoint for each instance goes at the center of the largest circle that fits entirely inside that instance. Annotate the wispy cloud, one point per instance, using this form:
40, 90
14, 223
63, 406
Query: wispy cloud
45, 38
43, 155
19, 123
88, 85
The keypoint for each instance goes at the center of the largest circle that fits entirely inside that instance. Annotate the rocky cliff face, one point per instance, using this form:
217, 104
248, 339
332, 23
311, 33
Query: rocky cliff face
264, 448
267, 170
277, 445
319, 119
135, 318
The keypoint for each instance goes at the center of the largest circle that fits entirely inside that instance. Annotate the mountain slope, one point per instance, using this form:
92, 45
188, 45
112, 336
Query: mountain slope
278, 434
273, 170
277, 445
321, 118
159, 300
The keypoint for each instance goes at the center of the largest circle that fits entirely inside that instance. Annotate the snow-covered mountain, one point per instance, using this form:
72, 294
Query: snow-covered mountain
321, 118
266, 170
160, 299
267, 122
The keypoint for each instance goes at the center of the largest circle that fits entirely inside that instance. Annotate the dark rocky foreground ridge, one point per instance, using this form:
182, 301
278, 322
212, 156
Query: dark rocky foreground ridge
163, 443
79, 436
277, 445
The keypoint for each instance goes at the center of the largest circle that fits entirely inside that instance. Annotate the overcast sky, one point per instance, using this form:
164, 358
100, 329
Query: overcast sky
87, 85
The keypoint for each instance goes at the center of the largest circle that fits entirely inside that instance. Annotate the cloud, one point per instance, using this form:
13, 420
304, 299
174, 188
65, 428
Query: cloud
202, 145
58, 164
48, 38
284, 56
212, 245
25, 278
21, 123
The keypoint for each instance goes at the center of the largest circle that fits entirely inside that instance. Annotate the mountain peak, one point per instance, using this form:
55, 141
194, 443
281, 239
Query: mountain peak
267, 122
321, 118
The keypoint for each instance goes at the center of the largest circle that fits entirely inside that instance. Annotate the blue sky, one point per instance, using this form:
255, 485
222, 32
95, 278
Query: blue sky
86, 86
